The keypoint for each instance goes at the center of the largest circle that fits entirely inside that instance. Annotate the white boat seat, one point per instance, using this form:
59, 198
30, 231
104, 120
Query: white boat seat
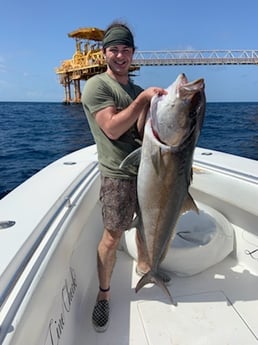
201, 241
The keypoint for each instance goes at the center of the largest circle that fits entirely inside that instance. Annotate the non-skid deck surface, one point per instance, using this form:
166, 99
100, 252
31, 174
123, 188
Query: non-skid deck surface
218, 306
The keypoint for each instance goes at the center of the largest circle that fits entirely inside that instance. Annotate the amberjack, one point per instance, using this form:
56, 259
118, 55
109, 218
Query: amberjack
164, 165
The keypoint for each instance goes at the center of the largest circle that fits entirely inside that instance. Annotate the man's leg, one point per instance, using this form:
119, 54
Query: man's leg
118, 198
106, 259
106, 262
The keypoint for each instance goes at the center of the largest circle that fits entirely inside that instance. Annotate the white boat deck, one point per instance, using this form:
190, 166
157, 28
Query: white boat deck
48, 273
148, 318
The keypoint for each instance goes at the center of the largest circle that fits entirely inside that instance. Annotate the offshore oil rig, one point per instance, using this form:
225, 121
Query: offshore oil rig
87, 61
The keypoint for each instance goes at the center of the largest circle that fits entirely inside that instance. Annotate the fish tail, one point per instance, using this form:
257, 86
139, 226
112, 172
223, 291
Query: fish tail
153, 278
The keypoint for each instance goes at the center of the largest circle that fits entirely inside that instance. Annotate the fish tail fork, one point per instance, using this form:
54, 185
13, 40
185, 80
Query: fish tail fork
154, 278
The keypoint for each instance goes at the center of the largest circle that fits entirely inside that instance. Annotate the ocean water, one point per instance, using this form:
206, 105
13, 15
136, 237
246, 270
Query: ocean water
32, 135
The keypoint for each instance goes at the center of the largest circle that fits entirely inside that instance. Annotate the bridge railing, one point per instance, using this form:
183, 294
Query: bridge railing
195, 57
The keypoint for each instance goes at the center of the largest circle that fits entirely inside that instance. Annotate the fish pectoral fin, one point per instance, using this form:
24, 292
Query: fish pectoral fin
131, 163
189, 204
156, 158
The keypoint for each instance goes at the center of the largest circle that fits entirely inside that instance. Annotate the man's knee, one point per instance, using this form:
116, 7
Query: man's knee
111, 238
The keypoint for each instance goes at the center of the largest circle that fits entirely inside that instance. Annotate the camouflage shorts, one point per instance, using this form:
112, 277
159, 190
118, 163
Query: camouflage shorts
119, 201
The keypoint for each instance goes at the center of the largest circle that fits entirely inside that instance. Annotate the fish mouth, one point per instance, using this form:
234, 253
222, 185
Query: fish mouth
185, 88
192, 92
197, 102
181, 80
183, 84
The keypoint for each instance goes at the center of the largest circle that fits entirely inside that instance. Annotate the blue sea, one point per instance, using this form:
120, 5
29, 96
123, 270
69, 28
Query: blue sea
32, 135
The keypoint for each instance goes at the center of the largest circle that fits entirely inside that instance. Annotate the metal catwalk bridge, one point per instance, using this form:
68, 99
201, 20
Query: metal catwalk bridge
195, 57
90, 61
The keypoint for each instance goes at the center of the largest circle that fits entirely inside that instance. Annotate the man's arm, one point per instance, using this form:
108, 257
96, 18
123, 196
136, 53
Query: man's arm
114, 123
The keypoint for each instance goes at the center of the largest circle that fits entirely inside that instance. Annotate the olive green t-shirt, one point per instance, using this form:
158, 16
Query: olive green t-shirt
102, 91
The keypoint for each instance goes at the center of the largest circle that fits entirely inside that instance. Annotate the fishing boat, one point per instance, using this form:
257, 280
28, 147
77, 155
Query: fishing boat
50, 227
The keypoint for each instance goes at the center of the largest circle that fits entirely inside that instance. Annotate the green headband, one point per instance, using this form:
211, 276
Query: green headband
118, 35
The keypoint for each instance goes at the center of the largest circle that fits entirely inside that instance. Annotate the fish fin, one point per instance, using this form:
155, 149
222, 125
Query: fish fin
131, 163
189, 204
155, 158
137, 222
153, 278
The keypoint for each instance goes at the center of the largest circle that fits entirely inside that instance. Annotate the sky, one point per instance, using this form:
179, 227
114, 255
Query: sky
34, 41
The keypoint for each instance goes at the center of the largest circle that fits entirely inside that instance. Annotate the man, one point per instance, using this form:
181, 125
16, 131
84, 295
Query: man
116, 110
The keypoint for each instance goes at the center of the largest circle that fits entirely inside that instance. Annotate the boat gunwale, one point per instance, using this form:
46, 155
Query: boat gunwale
10, 299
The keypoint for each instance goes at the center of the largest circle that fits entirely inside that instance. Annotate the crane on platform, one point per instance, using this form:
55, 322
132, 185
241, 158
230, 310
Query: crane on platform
89, 60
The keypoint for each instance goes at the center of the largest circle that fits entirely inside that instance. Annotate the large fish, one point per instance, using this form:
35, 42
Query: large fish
165, 168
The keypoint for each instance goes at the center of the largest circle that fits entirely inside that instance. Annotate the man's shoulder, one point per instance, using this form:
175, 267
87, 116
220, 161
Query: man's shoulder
101, 82
94, 84
97, 78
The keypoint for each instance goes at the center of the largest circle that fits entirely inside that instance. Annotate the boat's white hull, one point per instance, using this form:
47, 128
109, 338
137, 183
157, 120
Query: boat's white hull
48, 273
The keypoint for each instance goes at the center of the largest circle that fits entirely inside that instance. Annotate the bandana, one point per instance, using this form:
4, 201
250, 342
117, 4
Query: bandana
118, 35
